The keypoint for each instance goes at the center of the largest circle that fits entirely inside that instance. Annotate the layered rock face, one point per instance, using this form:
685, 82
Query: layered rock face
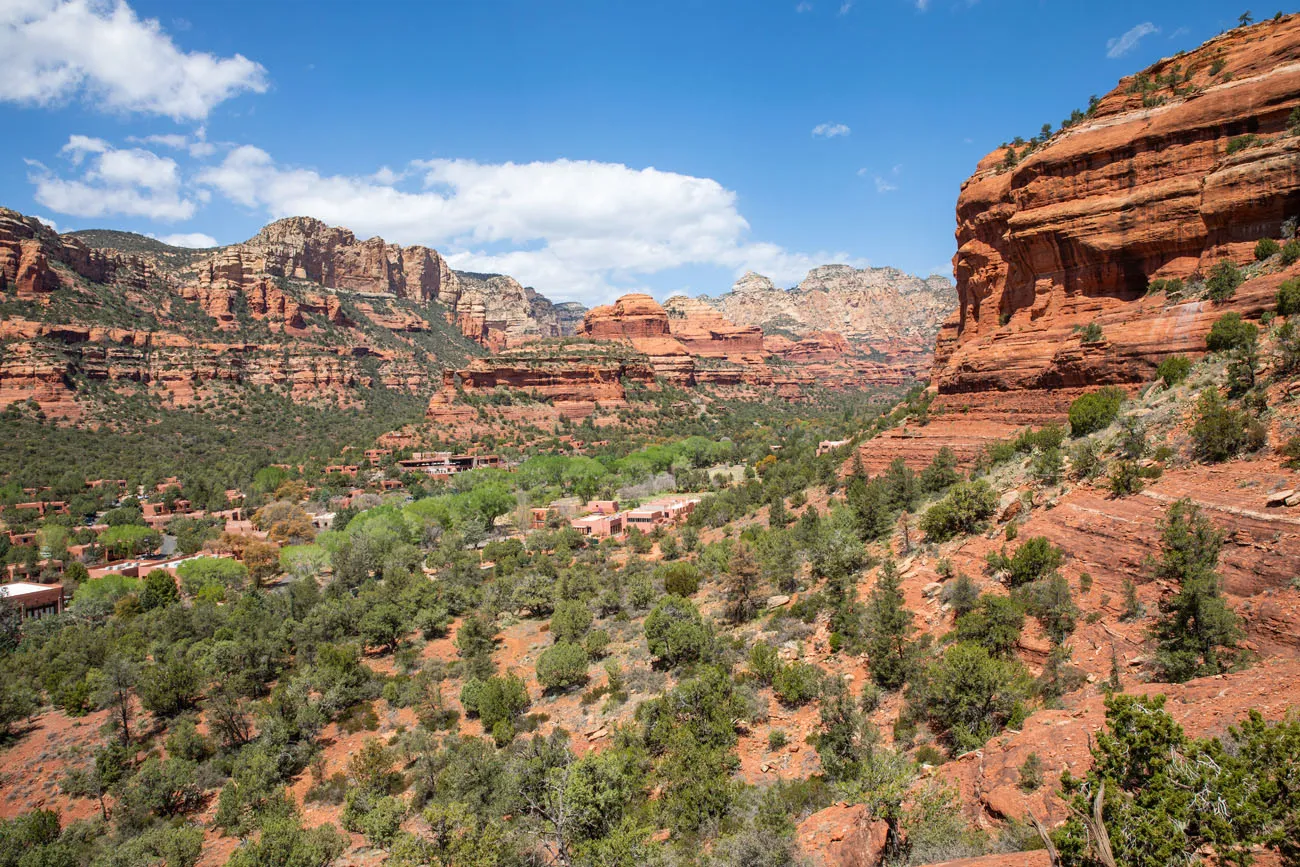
1070, 233
573, 378
876, 307
491, 309
630, 317
704, 331
1145, 187
689, 342
29, 250
125, 320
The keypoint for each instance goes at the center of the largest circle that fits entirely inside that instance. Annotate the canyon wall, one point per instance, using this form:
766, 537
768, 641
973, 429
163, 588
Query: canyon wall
877, 308
298, 305
1180, 167
1161, 180
491, 309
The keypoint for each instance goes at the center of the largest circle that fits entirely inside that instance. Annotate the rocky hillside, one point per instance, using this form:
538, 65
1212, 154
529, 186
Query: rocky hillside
1089, 257
301, 306
875, 307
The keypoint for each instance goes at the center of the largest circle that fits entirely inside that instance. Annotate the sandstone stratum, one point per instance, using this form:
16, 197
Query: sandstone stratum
303, 308
685, 343
1065, 247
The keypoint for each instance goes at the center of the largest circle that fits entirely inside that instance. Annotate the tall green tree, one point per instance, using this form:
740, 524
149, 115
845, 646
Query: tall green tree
891, 648
1197, 631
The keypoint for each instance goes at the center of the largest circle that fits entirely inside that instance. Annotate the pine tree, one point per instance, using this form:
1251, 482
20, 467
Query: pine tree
741, 585
1198, 631
869, 501
777, 516
890, 649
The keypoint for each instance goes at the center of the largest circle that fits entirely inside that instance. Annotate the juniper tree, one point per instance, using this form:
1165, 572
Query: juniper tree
891, 649
1197, 631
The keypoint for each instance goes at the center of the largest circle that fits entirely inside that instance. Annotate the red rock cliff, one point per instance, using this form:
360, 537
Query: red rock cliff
1145, 187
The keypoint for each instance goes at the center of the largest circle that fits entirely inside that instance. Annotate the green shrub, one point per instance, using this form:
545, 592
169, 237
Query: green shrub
1242, 142
570, 622
1031, 773
1288, 297
1046, 465
1085, 459
1035, 558
675, 632
562, 666
1095, 410
1091, 333
1125, 478
1266, 248
764, 662
1174, 369
1230, 331
495, 701
1219, 432
796, 684
964, 510
1291, 252
681, 579
970, 695
596, 643
776, 739
995, 623
1291, 451
1171, 286
1224, 279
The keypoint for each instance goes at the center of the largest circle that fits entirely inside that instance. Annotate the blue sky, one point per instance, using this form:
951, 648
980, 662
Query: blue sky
587, 148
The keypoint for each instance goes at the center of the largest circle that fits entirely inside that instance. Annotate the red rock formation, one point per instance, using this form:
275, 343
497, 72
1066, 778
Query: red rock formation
1075, 230
631, 316
573, 374
705, 332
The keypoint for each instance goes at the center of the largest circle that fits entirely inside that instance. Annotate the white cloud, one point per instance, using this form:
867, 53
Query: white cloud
1120, 45
130, 182
197, 146
830, 130
55, 50
574, 229
846, 6
922, 5
176, 141
188, 239
883, 183
803, 7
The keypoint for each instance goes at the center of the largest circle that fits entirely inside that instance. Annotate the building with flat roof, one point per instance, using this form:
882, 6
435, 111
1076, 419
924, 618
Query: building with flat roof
33, 601
598, 526
446, 464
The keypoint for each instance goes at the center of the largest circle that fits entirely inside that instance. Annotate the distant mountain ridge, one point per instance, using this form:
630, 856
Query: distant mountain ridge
866, 305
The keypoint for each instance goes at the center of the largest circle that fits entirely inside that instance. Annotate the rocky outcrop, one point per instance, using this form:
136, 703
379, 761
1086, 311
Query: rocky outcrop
874, 307
1159, 181
630, 317
491, 309
171, 354
704, 331
29, 250
575, 376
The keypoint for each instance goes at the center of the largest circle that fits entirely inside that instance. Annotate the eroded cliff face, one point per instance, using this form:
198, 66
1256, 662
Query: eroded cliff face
1160, 181
181, 326
491, 309
877, 308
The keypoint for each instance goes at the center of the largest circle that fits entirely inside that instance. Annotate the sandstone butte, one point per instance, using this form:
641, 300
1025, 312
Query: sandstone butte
683, 329
296, 277
685, 342
1072, 234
